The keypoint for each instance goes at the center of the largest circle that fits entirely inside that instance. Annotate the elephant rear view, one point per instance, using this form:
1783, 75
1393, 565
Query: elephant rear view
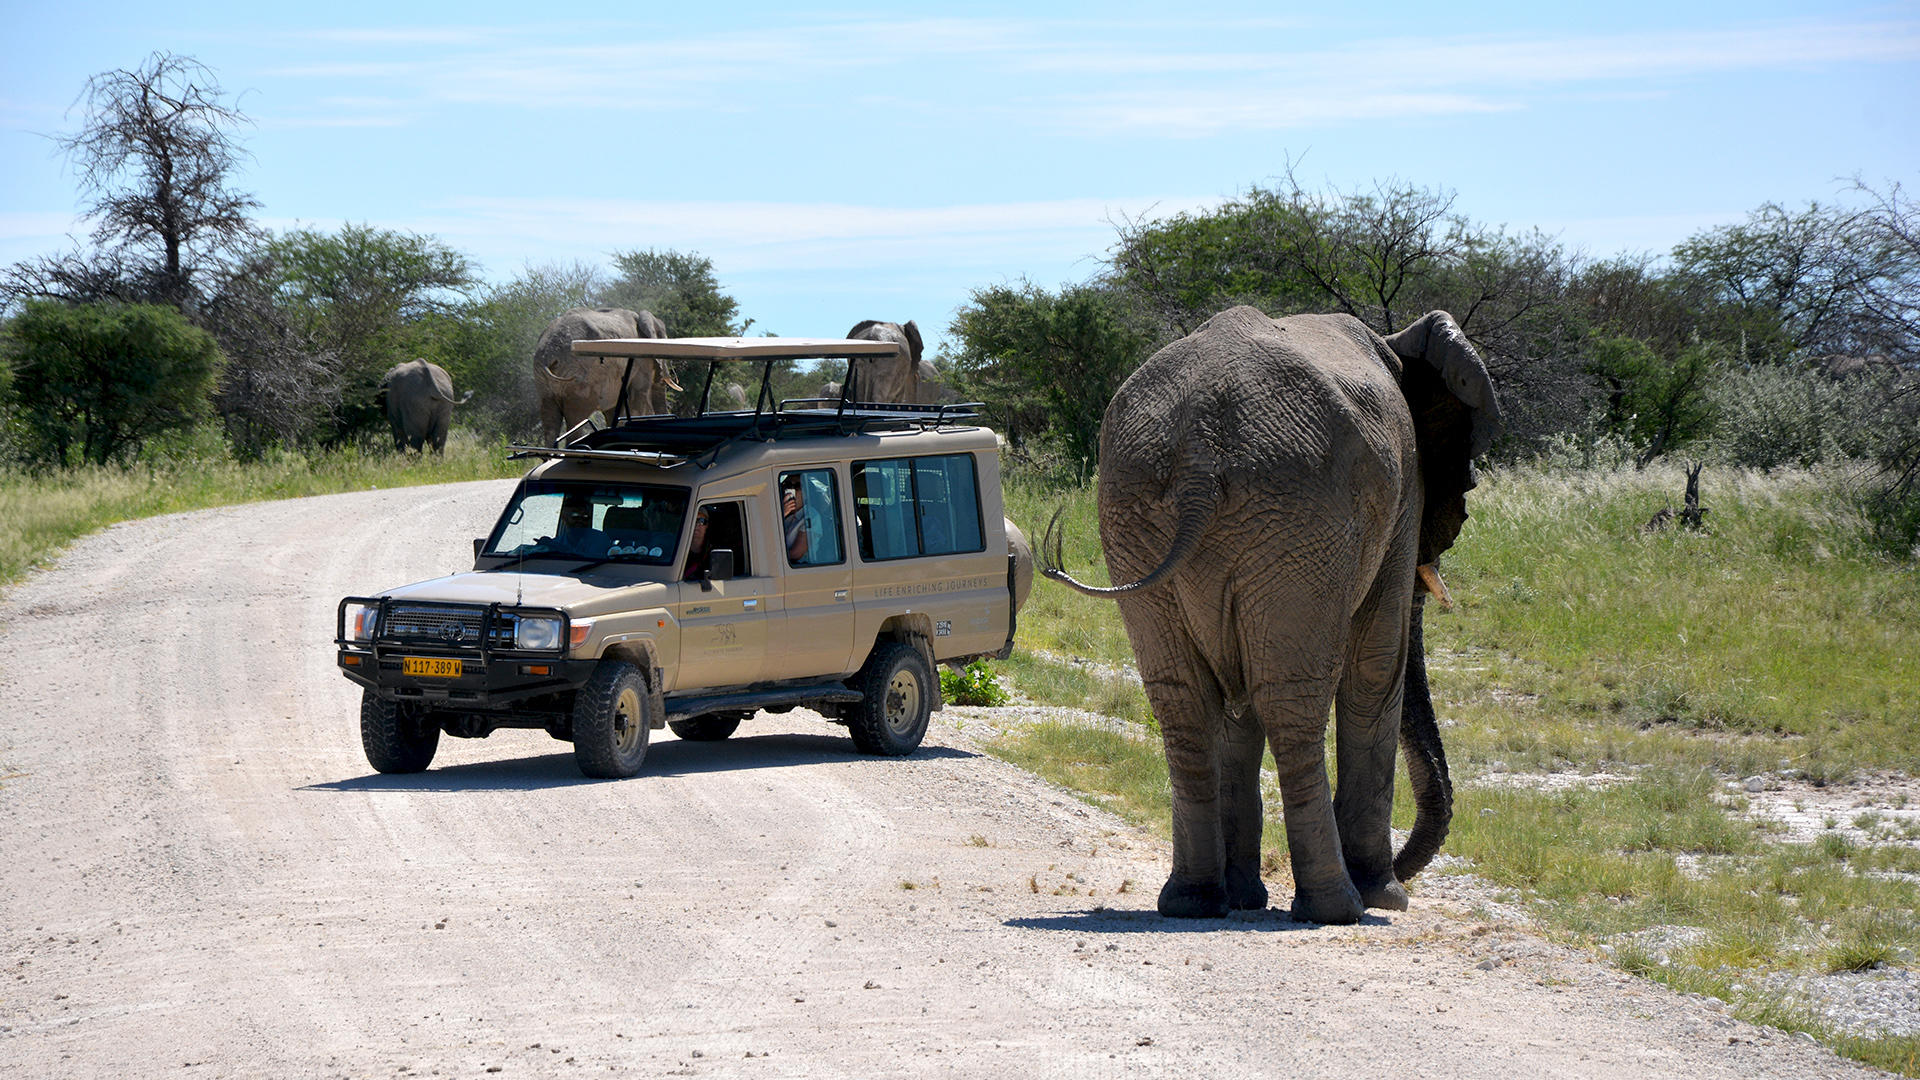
419, 401
572, 388
1271, 493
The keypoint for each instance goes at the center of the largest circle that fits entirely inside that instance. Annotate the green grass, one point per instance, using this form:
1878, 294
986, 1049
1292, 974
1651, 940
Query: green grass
41, 513
1779, 637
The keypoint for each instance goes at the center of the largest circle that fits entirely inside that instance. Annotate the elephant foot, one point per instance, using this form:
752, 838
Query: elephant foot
1389, 897
1381, 891
1192, 899
1338, 907
1245, 890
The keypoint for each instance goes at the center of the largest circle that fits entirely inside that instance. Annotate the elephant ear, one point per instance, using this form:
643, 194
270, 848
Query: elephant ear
913, 340
1455, 418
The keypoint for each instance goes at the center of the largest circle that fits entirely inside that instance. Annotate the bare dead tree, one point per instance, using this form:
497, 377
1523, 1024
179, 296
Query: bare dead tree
154, 158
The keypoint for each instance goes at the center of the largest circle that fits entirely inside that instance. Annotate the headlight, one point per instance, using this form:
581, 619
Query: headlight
360, 621
536, 634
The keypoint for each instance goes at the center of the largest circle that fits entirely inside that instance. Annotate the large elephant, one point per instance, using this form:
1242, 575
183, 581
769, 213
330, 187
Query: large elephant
573, 388
1271, 492
895, 378
418, 398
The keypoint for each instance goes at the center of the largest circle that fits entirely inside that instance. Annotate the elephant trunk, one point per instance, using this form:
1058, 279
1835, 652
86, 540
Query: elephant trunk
1426, 759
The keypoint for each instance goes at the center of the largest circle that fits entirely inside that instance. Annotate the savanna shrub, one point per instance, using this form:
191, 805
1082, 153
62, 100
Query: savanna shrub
975, 685
1769, 417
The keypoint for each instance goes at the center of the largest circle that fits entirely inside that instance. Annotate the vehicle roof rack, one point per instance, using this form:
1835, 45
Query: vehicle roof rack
672, 440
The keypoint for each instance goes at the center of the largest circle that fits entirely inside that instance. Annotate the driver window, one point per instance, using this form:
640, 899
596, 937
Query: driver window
716, 526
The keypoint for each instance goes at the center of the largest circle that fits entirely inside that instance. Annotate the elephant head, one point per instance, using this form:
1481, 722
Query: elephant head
418, 399
888, 378
1271, 494
572, 388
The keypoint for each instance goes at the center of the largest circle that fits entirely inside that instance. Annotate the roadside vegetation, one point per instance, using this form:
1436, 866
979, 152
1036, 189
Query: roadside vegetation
1605, 692
42, 512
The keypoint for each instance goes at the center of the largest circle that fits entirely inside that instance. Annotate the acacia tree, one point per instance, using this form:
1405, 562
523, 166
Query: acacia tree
155, 158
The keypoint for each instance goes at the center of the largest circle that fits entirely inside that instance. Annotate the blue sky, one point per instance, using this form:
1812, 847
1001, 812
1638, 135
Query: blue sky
853, 161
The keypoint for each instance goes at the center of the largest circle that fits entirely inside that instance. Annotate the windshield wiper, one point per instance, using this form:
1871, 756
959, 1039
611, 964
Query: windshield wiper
591, 563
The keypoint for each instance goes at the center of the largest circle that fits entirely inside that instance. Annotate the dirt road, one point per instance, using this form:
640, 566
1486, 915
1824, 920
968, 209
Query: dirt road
204, 879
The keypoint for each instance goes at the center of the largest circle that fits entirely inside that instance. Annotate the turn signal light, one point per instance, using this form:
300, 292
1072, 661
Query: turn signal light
536, 669
349, 660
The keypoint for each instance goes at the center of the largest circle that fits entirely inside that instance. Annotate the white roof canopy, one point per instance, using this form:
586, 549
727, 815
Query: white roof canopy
733, 348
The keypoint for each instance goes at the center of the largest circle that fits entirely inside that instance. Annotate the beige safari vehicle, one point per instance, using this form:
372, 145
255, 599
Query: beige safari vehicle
689, 571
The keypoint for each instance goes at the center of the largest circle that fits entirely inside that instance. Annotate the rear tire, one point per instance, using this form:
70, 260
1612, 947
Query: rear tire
612, 721
710, 728
397, 738
899, 688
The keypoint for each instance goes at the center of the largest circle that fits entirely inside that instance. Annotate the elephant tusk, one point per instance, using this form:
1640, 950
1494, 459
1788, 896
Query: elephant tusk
1430, 580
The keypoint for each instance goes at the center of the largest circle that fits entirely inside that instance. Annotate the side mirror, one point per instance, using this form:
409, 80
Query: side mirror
719, 567
479, 545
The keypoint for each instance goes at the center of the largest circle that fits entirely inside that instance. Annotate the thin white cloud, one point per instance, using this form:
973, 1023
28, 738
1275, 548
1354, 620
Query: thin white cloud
751, 237
18, 225
1163, 77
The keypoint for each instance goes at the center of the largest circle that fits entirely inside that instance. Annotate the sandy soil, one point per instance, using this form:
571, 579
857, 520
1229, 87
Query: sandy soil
204, 879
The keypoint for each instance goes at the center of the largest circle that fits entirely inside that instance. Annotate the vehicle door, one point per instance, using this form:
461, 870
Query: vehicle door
723, 623
818, 631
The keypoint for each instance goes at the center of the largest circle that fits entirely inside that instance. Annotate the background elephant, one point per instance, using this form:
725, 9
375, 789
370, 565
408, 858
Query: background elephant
418, 398
884, 378
1270, 491
572, 388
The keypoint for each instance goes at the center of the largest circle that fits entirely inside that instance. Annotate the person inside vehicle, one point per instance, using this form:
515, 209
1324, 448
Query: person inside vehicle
697, 549
793, 521
577, 533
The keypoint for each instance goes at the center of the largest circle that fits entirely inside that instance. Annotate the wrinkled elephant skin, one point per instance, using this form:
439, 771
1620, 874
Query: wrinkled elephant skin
889, 378
572, 388
1267, 489
419, 401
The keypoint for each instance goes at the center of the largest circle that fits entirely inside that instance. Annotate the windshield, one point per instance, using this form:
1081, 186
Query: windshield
579, 519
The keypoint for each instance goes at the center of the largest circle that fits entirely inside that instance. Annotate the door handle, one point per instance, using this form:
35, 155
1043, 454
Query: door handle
839, 595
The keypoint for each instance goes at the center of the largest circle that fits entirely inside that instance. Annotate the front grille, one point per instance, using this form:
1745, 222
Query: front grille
442, 625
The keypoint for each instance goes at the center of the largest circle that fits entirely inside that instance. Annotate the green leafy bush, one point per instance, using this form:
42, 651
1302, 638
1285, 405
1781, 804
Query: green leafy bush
973, 686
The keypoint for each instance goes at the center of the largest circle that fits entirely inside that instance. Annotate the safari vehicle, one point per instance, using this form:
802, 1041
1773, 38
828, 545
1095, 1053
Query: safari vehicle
688, 571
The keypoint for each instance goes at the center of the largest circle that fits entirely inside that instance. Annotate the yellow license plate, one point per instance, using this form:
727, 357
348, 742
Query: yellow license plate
434, 667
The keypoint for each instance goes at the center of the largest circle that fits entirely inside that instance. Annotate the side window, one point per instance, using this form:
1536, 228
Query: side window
917, 506
949, 511
716, 526
810, 518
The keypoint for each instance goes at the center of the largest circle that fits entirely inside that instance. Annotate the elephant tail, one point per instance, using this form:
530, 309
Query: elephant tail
1195, 501
1426, 760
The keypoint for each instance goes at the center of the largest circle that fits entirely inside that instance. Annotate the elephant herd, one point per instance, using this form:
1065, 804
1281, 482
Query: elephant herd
1273, 495
418, 400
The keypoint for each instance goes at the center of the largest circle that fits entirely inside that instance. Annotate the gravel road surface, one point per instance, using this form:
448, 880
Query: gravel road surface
203, 878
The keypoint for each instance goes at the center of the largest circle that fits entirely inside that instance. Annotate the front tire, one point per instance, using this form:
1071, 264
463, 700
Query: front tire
396, 737
612, 720
899, 688
710, 728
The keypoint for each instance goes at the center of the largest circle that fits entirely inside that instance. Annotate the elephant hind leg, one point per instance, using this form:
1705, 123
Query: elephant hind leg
1241, 821
1294, 711
1188, 703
